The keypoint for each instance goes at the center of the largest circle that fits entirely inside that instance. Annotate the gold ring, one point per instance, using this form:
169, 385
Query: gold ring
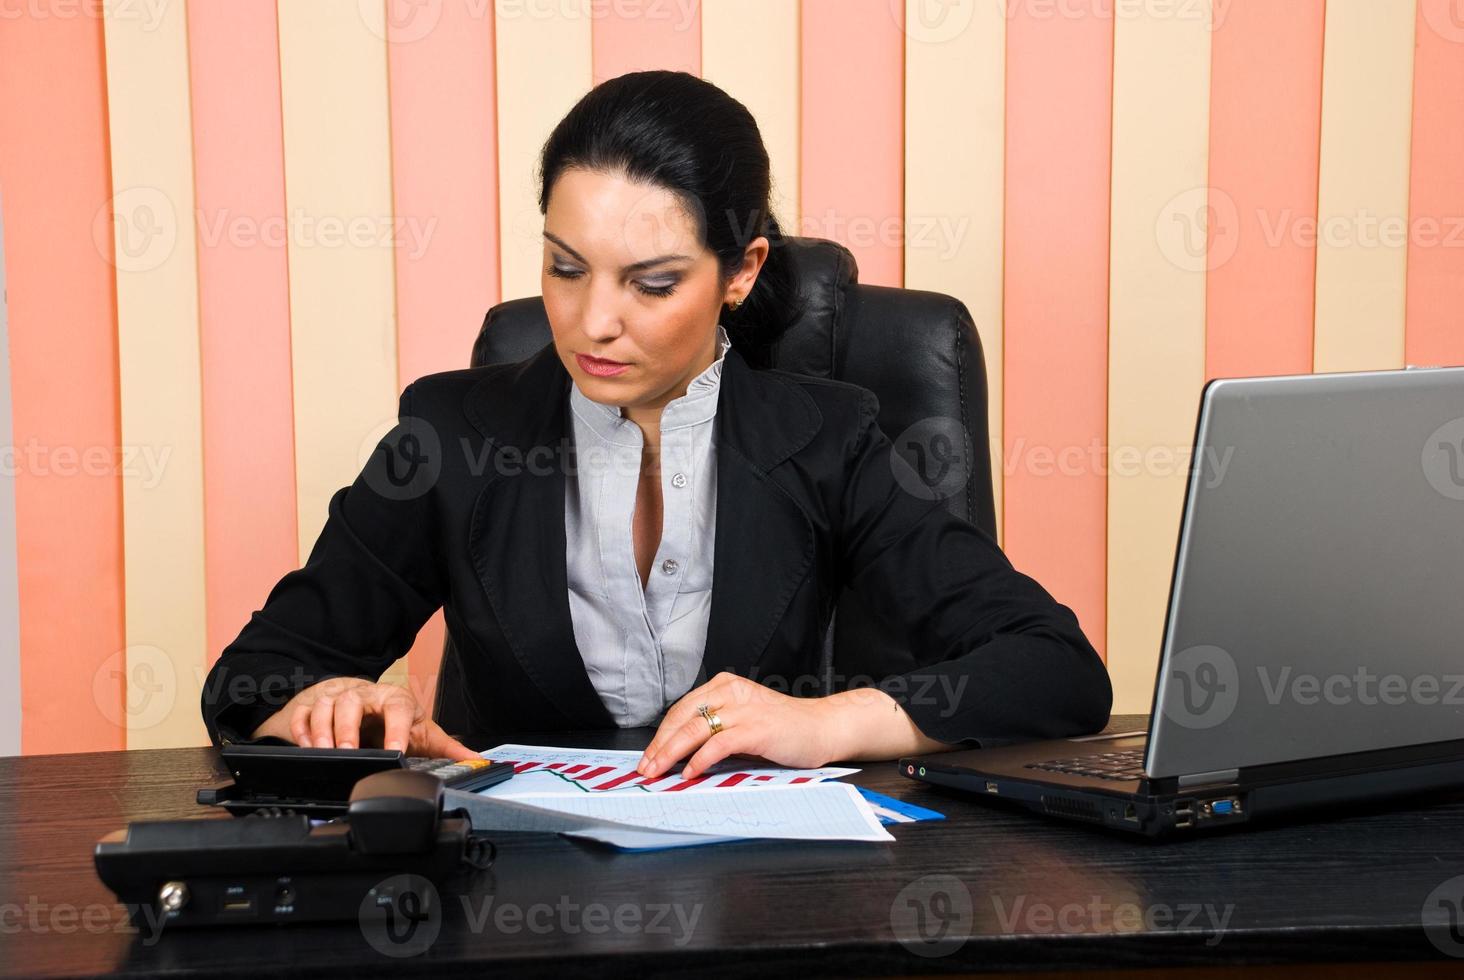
713, 722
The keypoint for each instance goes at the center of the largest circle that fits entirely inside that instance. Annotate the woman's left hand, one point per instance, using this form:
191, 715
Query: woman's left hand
803, 733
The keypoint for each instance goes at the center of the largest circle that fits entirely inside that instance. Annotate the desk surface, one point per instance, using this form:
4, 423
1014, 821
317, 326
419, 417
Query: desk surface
1019, 892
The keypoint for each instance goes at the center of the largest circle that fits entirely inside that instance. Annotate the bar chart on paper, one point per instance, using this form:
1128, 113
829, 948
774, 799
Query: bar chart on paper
540, 769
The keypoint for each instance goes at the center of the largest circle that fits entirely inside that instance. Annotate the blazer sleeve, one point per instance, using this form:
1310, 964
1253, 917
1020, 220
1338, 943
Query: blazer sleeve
372, 579
998, 659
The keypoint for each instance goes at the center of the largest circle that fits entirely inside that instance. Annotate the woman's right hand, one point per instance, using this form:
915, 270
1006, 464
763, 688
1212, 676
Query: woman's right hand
346, 712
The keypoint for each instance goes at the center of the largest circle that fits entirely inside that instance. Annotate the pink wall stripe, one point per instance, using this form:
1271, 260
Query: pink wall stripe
853, 112
1435, 320
444, 186
1265, 132
63, 342
640, 37
244, 310
1059, 106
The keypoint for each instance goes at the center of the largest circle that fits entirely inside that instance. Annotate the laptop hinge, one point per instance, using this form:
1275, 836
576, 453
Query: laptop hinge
1206, 778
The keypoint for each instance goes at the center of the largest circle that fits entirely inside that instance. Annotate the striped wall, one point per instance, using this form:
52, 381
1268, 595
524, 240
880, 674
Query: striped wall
234, 231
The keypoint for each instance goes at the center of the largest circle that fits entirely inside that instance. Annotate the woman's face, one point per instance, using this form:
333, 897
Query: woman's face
625, 280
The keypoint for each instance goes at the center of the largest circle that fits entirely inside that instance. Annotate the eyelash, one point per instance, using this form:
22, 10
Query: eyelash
657, 291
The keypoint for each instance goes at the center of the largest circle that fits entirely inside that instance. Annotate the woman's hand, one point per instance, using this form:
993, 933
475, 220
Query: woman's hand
756, 720
802, 733
345, 712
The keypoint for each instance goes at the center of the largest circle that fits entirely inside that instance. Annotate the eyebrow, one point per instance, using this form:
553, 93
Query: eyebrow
633, 267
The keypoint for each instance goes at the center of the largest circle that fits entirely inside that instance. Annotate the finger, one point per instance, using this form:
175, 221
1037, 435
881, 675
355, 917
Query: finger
683, 711
398, 712
320, 726
726, 742
440, 745
682, 743
300, 724
348, 714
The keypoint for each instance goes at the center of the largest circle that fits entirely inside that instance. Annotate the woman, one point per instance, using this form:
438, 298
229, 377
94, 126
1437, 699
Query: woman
568, 512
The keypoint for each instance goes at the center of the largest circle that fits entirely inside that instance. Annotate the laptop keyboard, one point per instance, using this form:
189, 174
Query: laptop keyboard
1125, 765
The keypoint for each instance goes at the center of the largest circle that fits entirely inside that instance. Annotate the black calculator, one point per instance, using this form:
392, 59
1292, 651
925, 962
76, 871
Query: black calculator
283, 777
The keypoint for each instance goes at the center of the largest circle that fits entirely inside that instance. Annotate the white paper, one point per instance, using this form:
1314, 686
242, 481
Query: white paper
543, 770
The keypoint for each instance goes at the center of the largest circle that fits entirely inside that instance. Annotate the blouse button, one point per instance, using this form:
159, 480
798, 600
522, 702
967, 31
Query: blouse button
669, 566
679, 480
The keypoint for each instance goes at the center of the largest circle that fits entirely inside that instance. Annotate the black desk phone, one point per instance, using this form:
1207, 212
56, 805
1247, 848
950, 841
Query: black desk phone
278, 866
275, 775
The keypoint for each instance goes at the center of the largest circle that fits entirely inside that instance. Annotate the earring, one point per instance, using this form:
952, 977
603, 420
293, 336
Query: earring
734, 304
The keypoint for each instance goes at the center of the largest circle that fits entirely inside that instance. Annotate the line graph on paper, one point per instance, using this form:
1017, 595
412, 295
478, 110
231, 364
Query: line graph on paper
540, 769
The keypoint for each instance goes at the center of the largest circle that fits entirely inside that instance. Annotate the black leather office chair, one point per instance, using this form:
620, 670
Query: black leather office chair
918, 352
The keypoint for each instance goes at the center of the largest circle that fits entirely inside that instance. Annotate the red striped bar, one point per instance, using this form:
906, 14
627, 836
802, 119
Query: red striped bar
523, 766
597, 771
574, 769
554, 765
618, 780
687, 784
801, 779
762, 777
734, 779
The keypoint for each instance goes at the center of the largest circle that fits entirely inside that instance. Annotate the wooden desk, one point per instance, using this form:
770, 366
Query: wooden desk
1027, 893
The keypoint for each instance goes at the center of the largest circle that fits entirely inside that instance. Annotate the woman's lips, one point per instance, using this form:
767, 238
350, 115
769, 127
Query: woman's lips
598, 367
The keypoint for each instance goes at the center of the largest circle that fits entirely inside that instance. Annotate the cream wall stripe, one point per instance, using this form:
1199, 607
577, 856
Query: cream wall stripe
552, 47
767, 84
157, 325
338, 197
1362, 210
955, 95
1161, 91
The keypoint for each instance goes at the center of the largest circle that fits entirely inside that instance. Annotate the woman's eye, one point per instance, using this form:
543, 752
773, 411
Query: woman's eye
663, 288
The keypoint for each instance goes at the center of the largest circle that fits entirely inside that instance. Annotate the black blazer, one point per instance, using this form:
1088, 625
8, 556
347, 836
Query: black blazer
462, 507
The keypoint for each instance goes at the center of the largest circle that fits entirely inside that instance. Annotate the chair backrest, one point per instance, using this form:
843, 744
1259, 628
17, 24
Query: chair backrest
920, 354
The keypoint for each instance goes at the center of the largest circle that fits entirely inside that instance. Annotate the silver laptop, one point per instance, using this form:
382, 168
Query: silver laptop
1313, 649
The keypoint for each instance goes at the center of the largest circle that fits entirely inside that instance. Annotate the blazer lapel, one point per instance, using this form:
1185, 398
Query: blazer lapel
517, 541
761, 421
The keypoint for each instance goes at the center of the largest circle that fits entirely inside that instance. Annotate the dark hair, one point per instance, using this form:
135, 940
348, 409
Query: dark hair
673, 130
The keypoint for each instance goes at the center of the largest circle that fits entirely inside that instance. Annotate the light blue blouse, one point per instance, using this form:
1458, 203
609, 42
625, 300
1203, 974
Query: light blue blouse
641, 647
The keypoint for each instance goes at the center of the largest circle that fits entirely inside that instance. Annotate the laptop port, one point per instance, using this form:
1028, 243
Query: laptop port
1131, 813
991, 787
1228, 806
1184, 813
